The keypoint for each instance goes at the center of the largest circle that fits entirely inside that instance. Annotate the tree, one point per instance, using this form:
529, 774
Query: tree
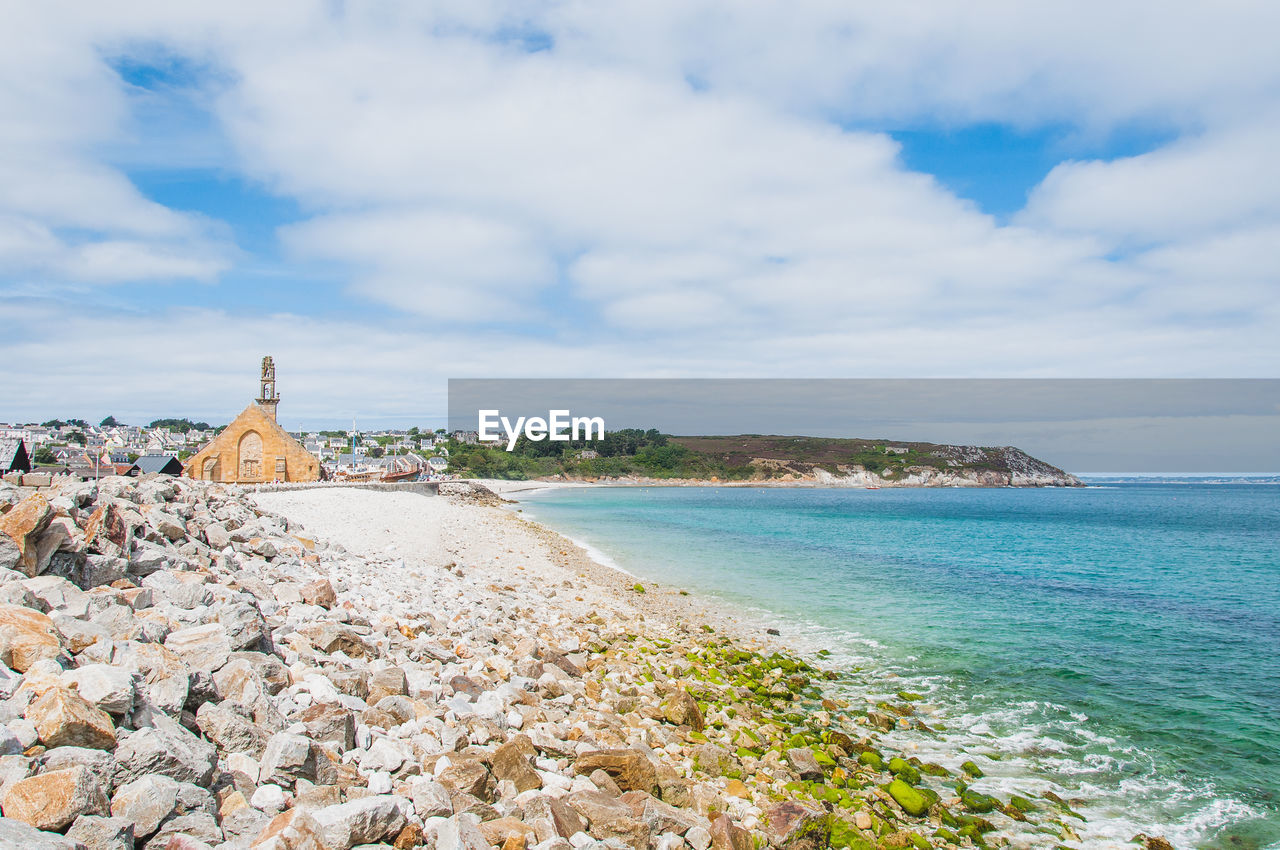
44, 455
377, 451
52, 423
109, 422
133, 457
77, 437
182, 426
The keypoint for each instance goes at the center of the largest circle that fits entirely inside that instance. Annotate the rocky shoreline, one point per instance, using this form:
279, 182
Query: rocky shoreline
184, 668
853, 479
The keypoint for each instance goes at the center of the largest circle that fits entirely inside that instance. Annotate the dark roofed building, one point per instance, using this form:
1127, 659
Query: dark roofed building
163, 464
13, 456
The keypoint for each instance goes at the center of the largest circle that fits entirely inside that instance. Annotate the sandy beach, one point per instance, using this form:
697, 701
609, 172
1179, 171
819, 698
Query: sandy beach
497, 545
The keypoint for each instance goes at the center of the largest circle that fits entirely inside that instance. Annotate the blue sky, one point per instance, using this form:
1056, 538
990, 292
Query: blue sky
387, 195
997, 165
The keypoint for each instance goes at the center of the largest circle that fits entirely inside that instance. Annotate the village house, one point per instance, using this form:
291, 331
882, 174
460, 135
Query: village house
13, 456
163, 464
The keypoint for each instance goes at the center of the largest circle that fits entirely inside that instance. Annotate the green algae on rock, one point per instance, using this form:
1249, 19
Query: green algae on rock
912, 800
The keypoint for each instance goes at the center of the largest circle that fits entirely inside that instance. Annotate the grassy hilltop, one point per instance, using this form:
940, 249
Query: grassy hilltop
632, 453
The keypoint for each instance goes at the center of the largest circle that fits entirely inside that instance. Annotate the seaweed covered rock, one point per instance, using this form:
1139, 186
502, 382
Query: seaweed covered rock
975, 801
681, 709
912, 800
796, 826
904, 770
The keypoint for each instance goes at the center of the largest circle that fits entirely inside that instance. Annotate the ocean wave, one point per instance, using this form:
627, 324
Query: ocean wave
1028, 748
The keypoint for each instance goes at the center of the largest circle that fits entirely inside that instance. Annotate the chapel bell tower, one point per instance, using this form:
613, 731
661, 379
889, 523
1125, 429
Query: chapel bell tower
268, 399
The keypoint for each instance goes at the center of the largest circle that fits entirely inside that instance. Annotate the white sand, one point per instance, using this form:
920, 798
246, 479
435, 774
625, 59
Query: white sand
493, 545
503, 488
432, 533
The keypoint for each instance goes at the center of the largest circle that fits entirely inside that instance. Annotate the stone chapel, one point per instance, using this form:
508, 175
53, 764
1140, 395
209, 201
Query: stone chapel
254, 449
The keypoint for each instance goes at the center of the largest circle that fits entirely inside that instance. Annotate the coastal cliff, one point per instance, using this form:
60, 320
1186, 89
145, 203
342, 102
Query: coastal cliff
634, 456
772, 462
1005, 466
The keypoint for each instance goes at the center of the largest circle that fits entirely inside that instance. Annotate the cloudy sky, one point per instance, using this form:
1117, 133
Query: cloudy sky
385, 195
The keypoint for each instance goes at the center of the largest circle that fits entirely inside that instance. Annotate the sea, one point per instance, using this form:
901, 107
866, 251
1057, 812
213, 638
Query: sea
1117, 644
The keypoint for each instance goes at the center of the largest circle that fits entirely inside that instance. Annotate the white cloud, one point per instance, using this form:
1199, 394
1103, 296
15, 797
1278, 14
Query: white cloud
1091, 63
1215, 181
84, 361
32, 251
422, 260
672, 188
66, 217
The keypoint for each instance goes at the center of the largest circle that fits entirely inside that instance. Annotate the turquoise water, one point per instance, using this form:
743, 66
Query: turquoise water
1119, 644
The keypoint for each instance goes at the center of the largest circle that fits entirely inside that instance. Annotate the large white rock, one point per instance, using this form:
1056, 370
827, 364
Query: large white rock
22, 836
288, 757
699, 838
460, 832
110, 688
167, 749
146, 802
430, 798
166, 678
379, 782
55, 593
202, 648
167, 524
384, 754
363, 821
102, 833
243, 623
268, 798
230, 731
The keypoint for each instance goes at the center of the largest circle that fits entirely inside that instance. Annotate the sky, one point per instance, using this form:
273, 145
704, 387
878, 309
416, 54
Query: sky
386, 195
